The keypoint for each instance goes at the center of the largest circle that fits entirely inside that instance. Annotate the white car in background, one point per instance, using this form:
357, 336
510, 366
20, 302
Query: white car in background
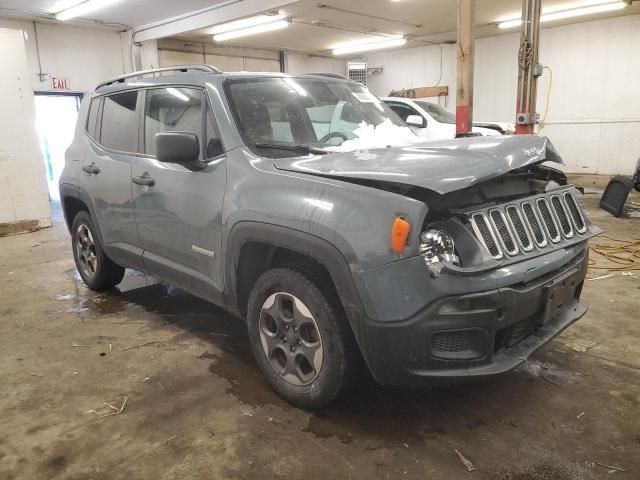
432, 122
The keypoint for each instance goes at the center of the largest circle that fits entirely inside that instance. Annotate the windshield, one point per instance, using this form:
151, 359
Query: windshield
277, 113
438, 113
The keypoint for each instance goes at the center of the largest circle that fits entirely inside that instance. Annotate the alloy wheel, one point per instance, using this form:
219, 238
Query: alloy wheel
86, 251
290, 338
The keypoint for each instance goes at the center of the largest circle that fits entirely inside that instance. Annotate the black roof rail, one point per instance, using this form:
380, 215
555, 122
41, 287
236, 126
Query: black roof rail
328, 74
175, 68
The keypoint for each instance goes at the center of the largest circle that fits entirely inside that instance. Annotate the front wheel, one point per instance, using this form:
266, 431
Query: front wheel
97, 270
299, 339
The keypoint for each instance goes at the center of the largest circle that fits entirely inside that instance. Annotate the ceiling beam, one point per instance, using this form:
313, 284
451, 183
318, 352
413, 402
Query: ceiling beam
216, 14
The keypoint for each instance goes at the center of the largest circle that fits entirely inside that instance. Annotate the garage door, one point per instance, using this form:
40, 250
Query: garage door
228, 59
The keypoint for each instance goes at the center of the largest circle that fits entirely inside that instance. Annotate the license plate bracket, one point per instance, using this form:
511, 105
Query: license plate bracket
559, 294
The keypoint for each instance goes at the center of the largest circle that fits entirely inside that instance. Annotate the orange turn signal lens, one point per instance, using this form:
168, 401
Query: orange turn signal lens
399, 234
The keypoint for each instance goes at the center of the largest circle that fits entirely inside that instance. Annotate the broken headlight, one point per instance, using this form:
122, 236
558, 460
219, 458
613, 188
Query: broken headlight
438, 246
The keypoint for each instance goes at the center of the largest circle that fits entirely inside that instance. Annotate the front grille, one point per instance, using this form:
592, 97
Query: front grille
517, 224
484, 232
548, 219
504, 232
562, 215
534, 224
576, 214
451, 342
515, 227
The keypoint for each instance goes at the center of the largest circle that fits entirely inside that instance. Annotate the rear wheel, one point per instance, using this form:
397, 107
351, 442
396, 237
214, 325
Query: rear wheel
97, 270
299, 339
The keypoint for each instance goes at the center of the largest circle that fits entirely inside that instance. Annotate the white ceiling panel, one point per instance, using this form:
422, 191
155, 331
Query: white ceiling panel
317, 27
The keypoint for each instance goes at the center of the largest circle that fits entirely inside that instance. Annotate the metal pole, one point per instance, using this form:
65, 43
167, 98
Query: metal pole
465, 44
528, 68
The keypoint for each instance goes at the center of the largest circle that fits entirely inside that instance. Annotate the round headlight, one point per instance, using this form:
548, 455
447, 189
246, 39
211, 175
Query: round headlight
438, 246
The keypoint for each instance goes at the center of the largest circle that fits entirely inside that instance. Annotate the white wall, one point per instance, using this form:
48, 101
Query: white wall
414, 67
302, 63
23, 189
81, 55
594, 113
84, 55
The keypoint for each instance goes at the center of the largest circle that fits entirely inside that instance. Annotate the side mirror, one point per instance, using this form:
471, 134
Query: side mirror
177, 147
415, 121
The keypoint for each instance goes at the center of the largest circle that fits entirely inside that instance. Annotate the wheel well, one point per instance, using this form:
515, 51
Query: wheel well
71, 207
257, 257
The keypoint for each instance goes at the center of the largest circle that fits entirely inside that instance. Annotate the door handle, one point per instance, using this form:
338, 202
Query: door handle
145, 180
91, 168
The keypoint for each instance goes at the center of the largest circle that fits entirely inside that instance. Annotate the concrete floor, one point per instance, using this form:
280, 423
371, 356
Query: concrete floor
198, 408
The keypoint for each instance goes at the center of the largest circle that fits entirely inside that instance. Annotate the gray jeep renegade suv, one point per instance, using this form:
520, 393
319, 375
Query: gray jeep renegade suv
303, 205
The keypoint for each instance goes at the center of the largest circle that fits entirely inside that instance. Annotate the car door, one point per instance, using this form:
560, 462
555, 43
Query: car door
105, 177
178, 209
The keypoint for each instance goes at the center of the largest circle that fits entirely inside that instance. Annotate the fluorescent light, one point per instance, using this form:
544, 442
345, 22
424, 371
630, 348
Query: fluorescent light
178, 94
82, 8
583, 11
245, 22
510, 23
243, 32
369, 45
555, 14
64, 4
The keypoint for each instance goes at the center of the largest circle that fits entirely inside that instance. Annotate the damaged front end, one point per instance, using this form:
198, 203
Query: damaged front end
496, 267
523, 214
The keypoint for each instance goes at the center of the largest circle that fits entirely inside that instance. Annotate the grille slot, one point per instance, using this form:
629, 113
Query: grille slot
504, 233
485, 234
517, 224
562, 215
536, 222
576, 214
548, 219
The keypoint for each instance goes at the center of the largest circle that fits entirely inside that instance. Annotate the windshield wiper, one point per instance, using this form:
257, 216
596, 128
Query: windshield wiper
301, 148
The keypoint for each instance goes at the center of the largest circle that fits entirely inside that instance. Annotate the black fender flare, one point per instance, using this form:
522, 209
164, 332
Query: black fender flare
69, 190
300, 242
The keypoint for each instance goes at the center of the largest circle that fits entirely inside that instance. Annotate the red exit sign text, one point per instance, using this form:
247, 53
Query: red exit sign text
59, 83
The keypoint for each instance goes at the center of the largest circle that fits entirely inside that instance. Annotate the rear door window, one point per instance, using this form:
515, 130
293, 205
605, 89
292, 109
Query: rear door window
172, 109
92, 121
120, 122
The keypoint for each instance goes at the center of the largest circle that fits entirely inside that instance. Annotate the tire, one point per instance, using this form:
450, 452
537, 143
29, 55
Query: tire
281, 301
97, 271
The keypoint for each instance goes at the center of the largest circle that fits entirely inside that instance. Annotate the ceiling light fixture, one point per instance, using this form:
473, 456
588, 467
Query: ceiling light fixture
548, 16
389, 42
83, 8
251, 30
245, 23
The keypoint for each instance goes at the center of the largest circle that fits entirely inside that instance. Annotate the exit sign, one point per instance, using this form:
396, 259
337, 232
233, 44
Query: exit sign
59, 83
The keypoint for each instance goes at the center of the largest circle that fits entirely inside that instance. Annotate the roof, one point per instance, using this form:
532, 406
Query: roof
192, 75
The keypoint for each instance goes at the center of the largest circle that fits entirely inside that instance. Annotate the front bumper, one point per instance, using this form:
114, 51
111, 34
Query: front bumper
475, 334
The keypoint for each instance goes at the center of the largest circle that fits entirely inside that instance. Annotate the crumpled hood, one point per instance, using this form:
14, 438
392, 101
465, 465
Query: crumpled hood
442, 166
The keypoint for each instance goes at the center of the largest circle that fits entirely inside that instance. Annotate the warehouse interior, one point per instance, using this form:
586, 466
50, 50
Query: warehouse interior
147, 380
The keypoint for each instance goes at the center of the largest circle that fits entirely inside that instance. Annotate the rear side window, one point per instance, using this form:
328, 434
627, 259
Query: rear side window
172, 109
93, 117
120, 122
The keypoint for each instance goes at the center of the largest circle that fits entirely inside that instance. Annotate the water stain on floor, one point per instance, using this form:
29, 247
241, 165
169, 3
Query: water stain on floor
172, 307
